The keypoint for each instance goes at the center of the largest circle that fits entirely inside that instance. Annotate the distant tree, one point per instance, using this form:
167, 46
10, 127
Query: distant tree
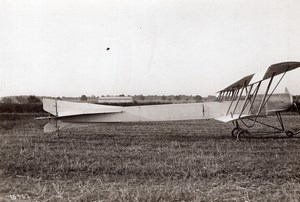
142, 97
83, 98
163, 97
177, 97
58, 98
7, 100
122, 95
21, 99
198, 98
32, 99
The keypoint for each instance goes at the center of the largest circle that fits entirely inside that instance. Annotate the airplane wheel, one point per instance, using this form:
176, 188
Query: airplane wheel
289, 133
234, 132
241, 134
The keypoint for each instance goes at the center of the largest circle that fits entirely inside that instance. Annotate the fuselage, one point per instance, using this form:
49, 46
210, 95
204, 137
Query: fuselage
190, 111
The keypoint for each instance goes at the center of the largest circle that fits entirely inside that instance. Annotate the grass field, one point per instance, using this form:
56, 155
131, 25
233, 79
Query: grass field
170, 161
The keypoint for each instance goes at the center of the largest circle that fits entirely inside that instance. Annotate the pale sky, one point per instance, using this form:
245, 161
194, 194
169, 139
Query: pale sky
163, 47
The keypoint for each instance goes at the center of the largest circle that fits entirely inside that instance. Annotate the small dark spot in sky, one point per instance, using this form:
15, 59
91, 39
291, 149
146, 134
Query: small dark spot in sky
140, 27
107, 49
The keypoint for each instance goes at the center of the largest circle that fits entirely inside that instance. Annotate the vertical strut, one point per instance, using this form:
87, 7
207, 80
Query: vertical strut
264, 98
274, 88
238, 99
280, 120
56, 120
232, 99
254, 96
248, 94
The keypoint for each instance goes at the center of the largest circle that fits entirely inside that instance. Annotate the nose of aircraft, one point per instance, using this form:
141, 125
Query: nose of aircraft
293, 102
295, 106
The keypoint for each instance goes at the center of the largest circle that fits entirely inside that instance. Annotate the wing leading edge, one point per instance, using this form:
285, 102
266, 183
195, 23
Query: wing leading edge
275, 70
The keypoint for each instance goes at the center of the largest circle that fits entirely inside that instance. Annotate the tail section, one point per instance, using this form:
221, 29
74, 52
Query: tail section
60, 108
50, 106
286, 90
51, 127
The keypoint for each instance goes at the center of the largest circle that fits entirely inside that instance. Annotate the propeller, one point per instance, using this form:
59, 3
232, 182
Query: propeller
295, 103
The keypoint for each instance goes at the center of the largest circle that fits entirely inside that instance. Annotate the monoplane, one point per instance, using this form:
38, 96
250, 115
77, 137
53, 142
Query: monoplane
239, 103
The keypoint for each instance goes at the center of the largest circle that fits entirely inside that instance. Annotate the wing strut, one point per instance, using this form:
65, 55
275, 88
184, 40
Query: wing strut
262, 104
56, 120
264, 100
273, 89
239, 99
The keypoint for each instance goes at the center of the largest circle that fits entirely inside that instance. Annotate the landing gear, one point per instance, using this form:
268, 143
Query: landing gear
58, 133
237, 132
234, 132
241, 134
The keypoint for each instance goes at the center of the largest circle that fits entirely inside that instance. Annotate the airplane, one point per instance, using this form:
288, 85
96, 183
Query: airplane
238, 103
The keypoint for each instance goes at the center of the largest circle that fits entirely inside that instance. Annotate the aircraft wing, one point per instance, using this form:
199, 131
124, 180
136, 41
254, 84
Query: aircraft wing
275, 70
60, 108
239, 84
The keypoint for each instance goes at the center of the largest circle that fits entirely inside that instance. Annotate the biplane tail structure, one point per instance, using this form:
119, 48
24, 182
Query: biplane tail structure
68, 114
62, 109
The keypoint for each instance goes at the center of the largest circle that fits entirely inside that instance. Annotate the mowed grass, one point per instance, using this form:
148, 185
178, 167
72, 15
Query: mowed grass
168, 161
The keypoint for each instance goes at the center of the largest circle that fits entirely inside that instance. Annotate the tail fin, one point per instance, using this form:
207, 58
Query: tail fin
286, 90
291, 96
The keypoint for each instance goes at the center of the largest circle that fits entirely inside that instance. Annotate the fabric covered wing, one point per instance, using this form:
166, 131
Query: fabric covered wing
275, 70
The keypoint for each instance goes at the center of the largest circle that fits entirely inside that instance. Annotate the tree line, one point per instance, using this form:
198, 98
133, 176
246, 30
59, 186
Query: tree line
31, 104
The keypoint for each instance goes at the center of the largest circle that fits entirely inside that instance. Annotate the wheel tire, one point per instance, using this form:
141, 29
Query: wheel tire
234, 132
241, 134
289, 133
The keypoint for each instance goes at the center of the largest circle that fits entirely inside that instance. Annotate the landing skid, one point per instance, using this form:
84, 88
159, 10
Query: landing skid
58, 133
